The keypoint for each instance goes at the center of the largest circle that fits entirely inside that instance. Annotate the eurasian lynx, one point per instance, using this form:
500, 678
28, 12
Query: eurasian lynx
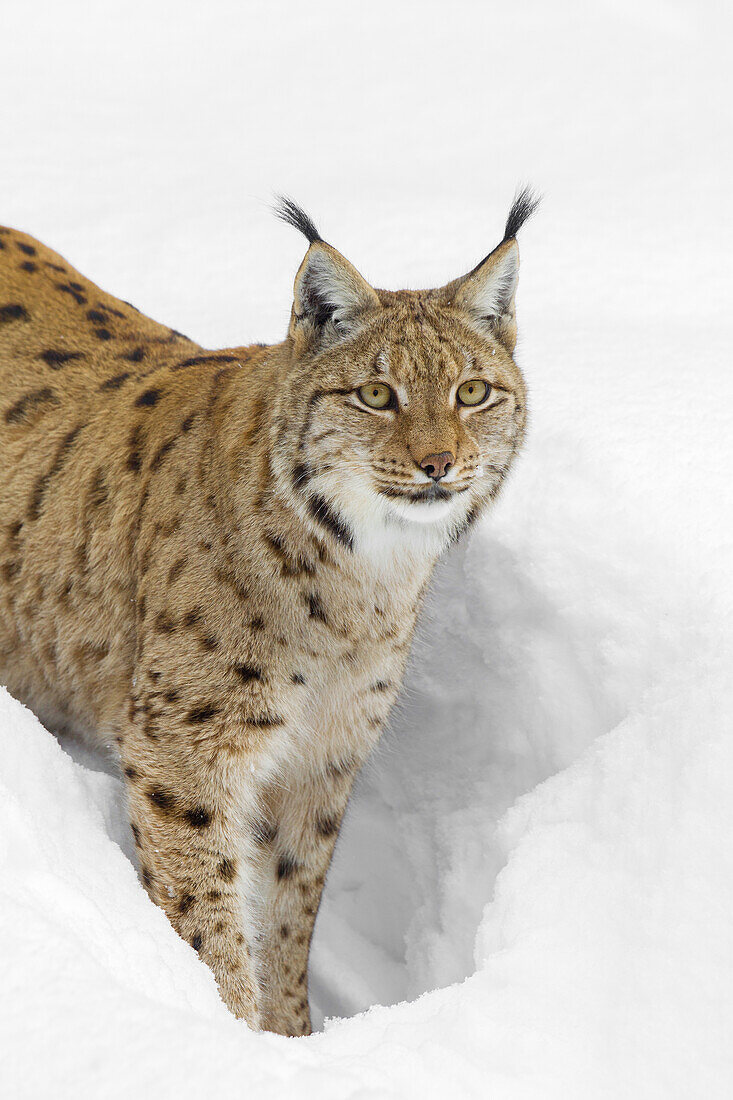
212, 561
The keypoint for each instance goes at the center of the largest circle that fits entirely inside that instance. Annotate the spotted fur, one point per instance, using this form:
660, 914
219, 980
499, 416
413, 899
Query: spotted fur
212, 561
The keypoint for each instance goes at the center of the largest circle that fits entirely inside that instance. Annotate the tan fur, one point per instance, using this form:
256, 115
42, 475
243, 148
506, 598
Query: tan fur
207, 564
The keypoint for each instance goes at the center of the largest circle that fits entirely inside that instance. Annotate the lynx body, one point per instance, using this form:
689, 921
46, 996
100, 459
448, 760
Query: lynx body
212, 562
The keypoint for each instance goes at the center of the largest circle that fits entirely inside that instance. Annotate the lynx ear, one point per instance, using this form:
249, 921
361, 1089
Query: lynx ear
330, 296
487, 293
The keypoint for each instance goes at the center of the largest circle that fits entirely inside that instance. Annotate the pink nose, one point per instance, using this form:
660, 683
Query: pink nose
437, 466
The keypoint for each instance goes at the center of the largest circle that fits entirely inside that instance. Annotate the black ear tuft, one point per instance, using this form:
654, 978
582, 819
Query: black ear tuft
289, 211
524, 205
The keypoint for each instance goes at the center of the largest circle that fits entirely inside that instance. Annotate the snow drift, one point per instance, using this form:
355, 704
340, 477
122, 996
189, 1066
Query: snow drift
531, 895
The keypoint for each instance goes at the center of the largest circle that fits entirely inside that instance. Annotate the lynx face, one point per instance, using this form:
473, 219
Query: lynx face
411, 406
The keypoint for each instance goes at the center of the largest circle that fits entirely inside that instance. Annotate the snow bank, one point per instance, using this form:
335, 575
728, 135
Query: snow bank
531, 895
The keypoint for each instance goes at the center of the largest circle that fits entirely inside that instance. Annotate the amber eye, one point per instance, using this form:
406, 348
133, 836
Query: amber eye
376, 395
473, 392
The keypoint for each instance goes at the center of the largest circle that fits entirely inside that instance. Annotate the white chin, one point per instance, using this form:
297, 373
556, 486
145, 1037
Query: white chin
416, 512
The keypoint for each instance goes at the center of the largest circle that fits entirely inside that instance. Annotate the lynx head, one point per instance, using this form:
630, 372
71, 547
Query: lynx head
402, 410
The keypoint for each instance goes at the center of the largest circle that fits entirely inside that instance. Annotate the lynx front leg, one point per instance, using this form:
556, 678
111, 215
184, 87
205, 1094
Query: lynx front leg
298, 841
193, 863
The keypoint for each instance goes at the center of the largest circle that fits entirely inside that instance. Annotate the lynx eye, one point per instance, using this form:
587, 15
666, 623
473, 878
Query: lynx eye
376, 395
472, 392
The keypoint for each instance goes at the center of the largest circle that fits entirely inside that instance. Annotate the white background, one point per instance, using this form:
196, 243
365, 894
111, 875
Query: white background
537, 863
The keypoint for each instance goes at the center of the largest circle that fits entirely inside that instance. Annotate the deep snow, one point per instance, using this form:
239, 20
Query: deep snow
535, 877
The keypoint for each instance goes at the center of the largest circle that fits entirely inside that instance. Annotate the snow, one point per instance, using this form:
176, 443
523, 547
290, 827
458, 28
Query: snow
531, 895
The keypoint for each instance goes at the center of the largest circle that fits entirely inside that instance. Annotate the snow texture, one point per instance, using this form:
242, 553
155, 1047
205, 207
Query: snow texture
531, 896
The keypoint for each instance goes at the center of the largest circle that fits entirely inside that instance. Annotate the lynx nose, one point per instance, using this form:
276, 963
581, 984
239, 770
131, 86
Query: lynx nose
437, 466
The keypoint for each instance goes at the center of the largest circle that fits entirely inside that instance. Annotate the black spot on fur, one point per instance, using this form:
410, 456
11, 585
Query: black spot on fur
74, 289
135, 356
162, 451
193, 617
316, 609
185, 903
103, 334
28, 249
197, 715
135, 834
187, 424
161, 798
197, 941
324, 514
98, 492
292, 563
287, 866
42, 483
381, 685
147, 878
204, 359
97, 316
130, 772
28, 266
148, 398
176, 569
56, 359
247, 673
134, 458
265, 720
298, 678
164, 624
116, 382
13, 312
257, 623
224, 576
29, 403
301, 474
327, 825
11, 569
227, 870
198, 817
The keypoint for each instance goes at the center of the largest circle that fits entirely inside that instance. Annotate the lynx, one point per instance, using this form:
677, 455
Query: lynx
211, 562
